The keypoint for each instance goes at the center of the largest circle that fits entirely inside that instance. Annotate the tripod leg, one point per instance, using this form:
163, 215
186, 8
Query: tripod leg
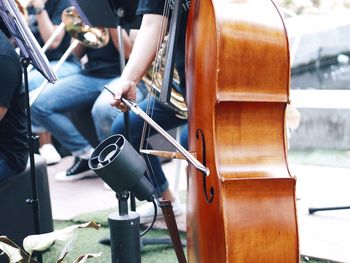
315, 209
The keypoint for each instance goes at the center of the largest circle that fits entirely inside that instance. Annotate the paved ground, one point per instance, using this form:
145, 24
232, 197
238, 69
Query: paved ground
324, 235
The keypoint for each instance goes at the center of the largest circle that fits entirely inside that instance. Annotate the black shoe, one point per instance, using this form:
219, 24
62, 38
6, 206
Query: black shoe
79, 170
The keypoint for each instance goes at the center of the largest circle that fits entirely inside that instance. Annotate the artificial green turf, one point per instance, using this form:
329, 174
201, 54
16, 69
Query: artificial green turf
87, 241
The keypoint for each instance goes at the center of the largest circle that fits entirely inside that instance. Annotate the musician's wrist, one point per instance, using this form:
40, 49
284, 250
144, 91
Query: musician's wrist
127, 84
132, 84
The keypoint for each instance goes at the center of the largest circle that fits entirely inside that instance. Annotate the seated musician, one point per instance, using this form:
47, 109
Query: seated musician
44, 17
13, 127
75, 92
141, 57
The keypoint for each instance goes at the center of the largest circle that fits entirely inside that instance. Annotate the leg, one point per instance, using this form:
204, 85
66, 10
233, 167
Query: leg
67, 95
35, 78
5, 170
103, 115
49, 110
184, 136
46, 149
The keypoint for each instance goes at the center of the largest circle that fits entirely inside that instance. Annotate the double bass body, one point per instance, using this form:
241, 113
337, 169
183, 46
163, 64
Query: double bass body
237, 71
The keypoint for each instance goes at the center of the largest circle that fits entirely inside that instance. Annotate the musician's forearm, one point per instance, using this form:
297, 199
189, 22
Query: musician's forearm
47, 28
144, 49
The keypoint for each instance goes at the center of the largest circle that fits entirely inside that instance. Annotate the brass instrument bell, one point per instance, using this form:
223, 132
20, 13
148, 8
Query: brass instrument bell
153, 80
90, 36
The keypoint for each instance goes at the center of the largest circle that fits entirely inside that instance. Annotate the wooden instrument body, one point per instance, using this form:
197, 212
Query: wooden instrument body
237, 73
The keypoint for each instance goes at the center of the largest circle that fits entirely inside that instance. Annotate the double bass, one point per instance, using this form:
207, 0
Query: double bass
237, 73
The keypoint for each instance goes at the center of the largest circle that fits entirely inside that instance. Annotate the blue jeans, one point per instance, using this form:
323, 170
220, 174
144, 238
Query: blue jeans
68, 94
35, 79
167, 120
184, 136
5, 170
103, 113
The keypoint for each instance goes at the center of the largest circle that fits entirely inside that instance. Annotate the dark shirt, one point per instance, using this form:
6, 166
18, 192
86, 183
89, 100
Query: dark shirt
54, 9
157, 7
103, 62
3, 28
13, 129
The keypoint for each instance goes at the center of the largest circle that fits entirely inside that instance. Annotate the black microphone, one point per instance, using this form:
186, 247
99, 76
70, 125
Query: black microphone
121, 167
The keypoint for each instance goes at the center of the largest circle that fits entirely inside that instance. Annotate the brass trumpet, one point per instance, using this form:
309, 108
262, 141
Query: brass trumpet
81, 33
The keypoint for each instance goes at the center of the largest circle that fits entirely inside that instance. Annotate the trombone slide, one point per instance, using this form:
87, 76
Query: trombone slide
34, 94
50, 41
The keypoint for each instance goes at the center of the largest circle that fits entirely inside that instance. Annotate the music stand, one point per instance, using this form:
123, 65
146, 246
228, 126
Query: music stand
30, 48
30, 54
111, 13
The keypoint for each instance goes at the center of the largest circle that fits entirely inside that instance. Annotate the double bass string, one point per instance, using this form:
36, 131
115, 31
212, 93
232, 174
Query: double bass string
146, 131
156, 69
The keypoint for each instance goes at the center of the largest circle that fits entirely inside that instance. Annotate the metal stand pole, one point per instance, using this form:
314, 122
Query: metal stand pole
34, 201
125, 233
126, 114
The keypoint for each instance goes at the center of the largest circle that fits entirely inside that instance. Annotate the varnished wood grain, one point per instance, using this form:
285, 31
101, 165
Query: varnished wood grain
237, 72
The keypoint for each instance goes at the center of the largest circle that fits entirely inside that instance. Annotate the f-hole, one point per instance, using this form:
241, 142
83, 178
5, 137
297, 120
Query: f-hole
208, 197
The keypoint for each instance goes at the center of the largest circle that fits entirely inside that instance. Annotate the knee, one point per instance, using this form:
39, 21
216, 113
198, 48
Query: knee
115, 129
39, 109
35, 79
102, 118
117, 126
184, 137
35, 110
99, 111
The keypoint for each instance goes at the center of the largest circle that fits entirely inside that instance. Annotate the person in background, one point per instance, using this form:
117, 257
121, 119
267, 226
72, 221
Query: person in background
13, 125
44, 17
141, 57
75, 92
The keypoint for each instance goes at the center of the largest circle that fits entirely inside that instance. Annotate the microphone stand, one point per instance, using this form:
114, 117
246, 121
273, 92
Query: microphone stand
34, 201
126, 114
